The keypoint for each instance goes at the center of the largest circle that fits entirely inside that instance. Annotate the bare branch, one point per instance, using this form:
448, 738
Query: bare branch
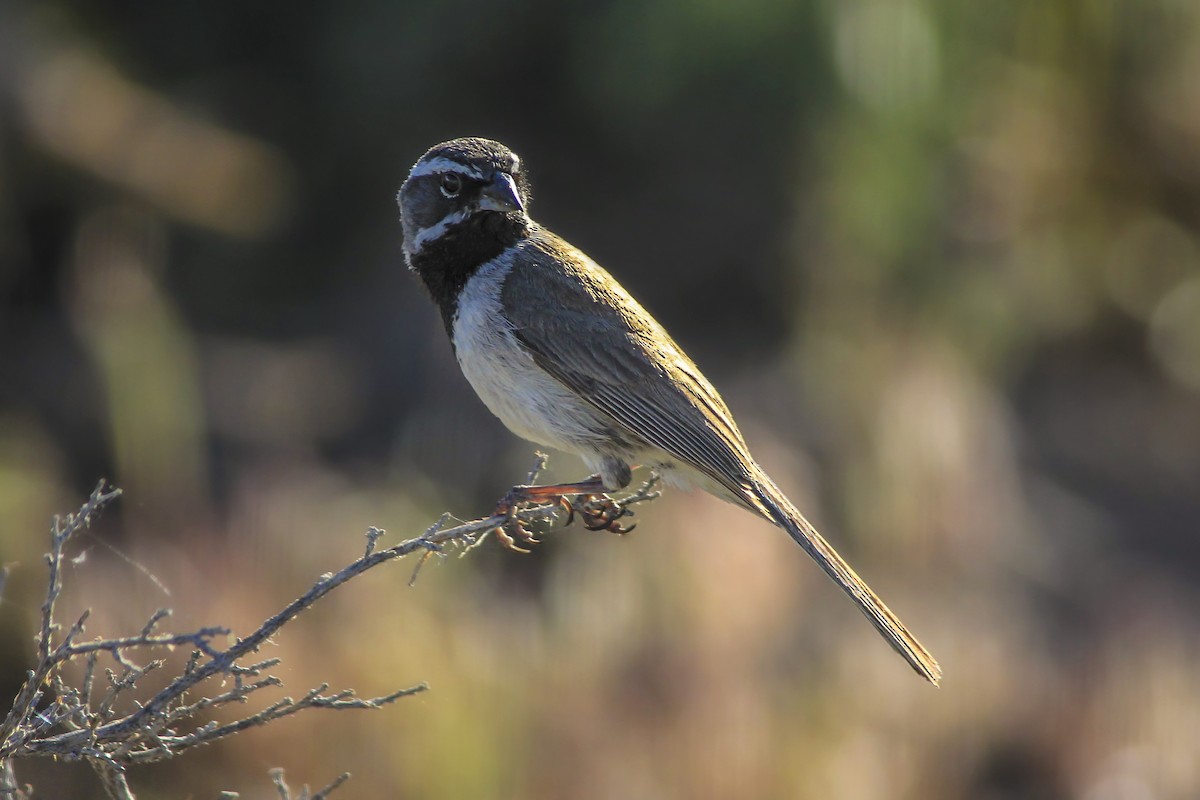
9, 788
118, 727
112, 776
61, 532
286, 794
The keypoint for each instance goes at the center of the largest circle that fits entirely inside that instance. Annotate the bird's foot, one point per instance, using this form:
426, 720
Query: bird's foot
599, 512
512, 530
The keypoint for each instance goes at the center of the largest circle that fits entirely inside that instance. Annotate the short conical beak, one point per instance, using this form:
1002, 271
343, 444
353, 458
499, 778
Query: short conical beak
501, 195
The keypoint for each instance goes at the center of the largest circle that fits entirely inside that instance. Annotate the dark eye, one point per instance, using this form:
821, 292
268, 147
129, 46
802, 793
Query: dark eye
451, 184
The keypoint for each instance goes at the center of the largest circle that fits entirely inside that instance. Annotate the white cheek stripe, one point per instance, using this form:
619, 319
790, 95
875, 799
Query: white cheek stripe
438, 165
436, 230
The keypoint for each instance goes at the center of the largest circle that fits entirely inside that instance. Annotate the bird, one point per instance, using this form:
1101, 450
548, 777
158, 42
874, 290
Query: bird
566, 358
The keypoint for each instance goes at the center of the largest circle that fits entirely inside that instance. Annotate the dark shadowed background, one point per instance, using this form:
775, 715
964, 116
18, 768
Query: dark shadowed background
941, 258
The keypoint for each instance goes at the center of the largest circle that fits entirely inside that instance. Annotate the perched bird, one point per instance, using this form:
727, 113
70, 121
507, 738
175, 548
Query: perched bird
566, 358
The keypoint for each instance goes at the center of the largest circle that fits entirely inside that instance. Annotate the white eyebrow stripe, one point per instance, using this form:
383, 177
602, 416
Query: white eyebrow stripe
435, 231
438, 165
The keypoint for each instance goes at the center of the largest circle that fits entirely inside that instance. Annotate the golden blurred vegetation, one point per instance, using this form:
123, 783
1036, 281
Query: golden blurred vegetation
942, 258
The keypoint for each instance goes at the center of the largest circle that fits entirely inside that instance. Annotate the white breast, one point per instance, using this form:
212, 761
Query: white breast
530, 402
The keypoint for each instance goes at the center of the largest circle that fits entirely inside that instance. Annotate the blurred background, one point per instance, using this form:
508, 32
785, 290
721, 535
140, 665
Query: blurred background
942, 259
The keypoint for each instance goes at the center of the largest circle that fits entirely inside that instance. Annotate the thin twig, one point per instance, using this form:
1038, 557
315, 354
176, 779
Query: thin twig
83, 722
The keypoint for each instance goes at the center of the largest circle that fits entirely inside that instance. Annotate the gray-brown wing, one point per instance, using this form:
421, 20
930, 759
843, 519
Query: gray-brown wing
588, 333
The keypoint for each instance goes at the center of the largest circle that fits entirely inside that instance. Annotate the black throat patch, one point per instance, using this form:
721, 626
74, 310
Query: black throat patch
446, 263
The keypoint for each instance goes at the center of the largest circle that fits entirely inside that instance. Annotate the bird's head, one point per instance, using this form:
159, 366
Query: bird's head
468, 193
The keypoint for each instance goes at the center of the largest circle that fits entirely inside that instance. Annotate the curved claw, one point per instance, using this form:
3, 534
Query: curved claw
569, 508
506, 540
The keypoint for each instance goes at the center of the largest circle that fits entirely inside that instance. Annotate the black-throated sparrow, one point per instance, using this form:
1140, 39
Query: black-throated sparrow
561, 353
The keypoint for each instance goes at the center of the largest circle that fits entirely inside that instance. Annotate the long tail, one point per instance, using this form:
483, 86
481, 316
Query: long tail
785, 515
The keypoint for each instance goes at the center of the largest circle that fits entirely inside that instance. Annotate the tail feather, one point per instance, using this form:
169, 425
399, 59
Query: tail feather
780, 510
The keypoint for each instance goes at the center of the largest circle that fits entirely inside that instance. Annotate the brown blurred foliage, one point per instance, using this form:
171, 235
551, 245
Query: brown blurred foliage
942, 258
